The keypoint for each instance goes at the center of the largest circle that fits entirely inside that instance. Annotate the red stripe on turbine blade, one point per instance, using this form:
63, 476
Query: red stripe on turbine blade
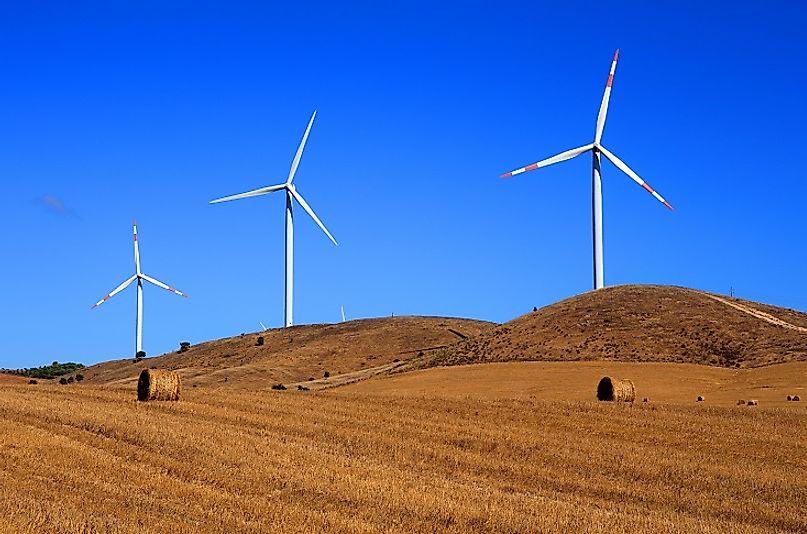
616, 54
531, 167
506, 175
610, 80
668, 205
648, 188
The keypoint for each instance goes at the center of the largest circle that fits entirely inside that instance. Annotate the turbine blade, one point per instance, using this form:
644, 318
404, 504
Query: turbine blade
313, 215
299, 153
563, 156
164, 286
115, 291
606, 97
627, 170
136, 247
254, 193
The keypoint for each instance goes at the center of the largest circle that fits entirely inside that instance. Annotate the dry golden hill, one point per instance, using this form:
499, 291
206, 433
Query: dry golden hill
641, 324
296, 354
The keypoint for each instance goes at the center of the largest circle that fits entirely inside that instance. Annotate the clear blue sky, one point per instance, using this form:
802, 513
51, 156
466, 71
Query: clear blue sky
147, 110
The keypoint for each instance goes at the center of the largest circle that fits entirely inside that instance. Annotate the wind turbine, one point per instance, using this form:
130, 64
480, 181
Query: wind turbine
139, 276
596, 149
291, 195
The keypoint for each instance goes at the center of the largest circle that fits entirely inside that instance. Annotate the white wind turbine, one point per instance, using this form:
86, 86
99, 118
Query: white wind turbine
596, 149
139, 276
291, 194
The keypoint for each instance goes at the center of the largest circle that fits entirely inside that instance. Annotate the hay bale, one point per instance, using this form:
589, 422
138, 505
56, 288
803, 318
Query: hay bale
615, 390
700, 398
790, 397
796, 398
752, 402
740, 402
158, 384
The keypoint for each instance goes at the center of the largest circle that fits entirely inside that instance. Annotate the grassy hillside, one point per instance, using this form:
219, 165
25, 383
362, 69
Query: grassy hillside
641, 324
92, 459
298, 353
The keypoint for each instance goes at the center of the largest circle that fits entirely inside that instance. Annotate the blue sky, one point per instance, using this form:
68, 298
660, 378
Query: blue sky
118, 110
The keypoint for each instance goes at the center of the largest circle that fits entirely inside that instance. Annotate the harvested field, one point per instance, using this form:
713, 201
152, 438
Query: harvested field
577, 381
89, 459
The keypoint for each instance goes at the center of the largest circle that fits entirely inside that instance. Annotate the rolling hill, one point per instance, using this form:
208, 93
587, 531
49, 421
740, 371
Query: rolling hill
640, 324
299, 353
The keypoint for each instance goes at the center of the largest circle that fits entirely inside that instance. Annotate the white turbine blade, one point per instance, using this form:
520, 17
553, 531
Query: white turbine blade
299, 153
262, 325
164, 286
313, 215
116, 291
254, 193
136, 247
606, 97
563, 156
343, 313
627, 170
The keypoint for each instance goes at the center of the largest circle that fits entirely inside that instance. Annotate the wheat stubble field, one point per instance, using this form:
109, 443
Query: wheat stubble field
88, 459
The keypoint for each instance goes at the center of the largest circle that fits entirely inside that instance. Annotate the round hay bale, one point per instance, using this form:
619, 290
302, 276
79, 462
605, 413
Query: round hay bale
790, 397
740, 402
158, 384
700, 398
796, 398
752, 402
615, 390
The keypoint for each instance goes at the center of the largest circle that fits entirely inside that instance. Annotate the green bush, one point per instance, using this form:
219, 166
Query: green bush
50, 371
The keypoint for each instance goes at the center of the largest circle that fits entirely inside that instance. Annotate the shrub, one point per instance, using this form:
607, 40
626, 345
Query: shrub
32, 381
326, 374
278, 387
79, 377
70, 380
50, 371
302, 388
184, 346
140, 355
260, 341
63, 381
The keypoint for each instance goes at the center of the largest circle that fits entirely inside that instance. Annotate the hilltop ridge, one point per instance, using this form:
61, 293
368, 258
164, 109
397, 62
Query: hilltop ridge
642, 324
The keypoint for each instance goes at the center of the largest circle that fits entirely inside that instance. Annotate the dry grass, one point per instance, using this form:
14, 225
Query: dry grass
667, 383
637, 324
291, 355
95, 460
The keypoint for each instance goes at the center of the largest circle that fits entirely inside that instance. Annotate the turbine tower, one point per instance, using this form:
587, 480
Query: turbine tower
596, 149
291, 195
139, 276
